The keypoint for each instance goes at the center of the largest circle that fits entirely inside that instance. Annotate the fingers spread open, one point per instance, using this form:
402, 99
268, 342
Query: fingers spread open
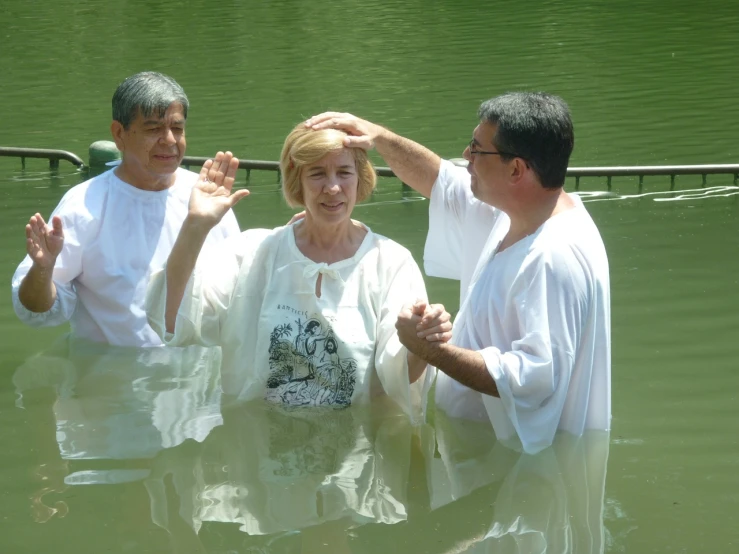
214, 169
222, 170
238, 195
56, 223
205, 169
230, 171
37, 225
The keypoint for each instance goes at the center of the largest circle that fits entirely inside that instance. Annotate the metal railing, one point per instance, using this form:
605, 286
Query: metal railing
641, 171
608, 172
52, 155
266, 165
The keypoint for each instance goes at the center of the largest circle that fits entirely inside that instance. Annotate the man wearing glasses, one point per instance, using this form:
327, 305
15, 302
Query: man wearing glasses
531, 346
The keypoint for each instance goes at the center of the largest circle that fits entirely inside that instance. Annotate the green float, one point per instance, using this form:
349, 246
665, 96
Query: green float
102, 152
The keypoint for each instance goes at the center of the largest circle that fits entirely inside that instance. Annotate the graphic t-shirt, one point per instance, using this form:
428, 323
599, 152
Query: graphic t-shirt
256, 297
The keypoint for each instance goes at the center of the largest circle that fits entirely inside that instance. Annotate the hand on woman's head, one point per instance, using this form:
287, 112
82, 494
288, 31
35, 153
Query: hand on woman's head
360, 132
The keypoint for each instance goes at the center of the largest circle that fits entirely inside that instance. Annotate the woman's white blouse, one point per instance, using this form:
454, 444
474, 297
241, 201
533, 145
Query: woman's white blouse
256, 297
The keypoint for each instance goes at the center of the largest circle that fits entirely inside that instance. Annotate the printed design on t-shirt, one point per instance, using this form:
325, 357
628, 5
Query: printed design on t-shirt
306, 368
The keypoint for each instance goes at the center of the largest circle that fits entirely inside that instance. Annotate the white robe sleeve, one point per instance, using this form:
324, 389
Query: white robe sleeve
229, 226
450, 197
404, 285
208, 293
533, 377
68, 266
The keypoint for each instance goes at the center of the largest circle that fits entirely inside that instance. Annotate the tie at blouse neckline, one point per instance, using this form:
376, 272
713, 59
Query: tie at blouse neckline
311, 270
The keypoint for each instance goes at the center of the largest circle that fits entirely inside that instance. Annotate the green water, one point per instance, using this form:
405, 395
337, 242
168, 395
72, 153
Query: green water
647, 82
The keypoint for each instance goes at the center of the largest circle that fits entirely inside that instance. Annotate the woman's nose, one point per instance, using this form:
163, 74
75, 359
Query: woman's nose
332, 185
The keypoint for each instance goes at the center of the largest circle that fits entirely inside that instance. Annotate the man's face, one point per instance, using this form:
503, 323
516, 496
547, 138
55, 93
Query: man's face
488, 171
152, 148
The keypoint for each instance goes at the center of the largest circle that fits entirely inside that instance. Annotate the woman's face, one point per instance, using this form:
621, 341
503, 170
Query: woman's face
330, 187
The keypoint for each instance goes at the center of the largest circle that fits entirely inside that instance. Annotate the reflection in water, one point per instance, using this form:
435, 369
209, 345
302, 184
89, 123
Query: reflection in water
284, 475
126, 403
260, 478
357, 481
553, 502
114, 403
487, 499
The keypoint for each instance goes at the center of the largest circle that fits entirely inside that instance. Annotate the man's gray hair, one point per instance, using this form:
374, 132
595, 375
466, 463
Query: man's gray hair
535, 126
148, 93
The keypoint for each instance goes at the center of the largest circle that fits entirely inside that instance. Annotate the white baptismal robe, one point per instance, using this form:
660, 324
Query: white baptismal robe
256, 297
538, 312
115, 235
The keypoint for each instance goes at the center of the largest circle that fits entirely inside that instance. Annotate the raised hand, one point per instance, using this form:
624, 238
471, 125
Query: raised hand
44, 242
212, 196
362, 133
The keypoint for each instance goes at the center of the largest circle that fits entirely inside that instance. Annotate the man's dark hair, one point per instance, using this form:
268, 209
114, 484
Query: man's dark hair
148, 93
535, 126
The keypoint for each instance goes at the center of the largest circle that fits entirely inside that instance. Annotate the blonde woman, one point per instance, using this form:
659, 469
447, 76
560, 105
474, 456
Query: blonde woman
305, 313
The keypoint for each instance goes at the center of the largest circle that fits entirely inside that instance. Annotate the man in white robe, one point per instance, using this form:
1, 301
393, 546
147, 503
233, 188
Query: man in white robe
531, 345
91, 265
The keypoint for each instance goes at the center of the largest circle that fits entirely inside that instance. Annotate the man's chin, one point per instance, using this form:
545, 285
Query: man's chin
166, 167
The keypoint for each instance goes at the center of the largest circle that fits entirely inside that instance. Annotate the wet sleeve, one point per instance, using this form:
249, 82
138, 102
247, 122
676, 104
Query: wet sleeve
403, 285
208, 294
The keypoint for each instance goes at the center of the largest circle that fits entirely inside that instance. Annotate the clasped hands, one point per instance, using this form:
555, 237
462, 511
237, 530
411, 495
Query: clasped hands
422, 326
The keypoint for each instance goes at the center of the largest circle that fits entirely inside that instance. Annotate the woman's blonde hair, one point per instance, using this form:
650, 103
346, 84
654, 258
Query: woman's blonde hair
304, 146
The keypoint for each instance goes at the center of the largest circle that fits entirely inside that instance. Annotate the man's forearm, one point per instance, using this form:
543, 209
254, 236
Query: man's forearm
414, 164
37, 291
466, 366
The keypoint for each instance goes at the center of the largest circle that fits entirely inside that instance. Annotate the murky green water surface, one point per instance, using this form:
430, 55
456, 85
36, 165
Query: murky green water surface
111, 451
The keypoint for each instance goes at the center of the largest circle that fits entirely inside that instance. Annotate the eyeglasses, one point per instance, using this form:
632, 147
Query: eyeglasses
474, 152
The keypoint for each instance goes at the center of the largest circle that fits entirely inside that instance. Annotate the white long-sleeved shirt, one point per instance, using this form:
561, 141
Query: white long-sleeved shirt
115, 235
538, 312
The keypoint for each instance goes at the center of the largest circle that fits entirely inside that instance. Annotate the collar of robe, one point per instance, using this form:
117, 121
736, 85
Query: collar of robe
311, 270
